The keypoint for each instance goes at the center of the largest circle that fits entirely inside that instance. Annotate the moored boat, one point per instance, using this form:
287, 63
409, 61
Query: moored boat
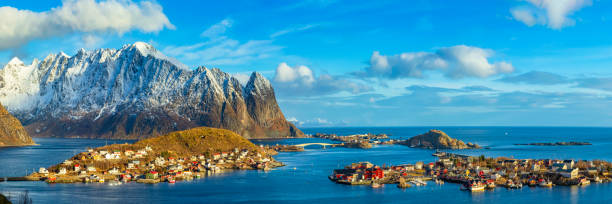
474, 186
376, 185
490, 184
545, 183
584, 181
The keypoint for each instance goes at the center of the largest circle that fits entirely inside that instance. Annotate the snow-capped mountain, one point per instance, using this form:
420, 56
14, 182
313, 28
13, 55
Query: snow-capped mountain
135, 92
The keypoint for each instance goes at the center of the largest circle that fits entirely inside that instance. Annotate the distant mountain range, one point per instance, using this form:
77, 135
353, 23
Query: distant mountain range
135, 92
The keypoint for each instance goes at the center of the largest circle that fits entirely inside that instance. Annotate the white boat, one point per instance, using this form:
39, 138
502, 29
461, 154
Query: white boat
423, 183
376, 185
545, 184
418, 183
474, 186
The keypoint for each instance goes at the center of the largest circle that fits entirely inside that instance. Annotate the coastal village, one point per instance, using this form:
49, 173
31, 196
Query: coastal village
144, 163
478, 173
474, 173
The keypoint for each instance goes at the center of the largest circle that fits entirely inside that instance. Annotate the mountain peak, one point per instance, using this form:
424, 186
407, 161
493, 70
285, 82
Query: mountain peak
143, 47
15, 61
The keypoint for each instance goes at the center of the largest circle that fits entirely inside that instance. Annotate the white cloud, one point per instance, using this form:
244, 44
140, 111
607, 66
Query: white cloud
222, 50
18, 27
302, 74
552, 13
217, 29
300, 80
292, 30
526, 16
455, 62
315, 122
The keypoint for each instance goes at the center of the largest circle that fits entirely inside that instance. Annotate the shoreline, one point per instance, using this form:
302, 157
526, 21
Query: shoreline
14, 146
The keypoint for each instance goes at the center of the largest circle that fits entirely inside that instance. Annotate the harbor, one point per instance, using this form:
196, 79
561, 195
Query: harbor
478, 173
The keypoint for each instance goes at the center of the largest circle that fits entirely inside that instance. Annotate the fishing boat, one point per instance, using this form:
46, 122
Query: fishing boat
376, 185
545, 183
511, 184
491, 184
474, 186
597, 179
423, 183
584, 181
101, 180
171, 180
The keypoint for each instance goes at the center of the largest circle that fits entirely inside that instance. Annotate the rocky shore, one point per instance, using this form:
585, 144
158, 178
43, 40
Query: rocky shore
436, 139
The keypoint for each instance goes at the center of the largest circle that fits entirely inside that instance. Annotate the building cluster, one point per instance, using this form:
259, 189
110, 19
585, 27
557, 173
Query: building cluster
149, 166
514, 173
480, 172
358, 140
367, 173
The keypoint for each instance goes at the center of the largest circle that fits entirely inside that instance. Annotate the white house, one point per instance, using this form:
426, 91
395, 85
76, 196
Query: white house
43, 170
568, 173
113, 171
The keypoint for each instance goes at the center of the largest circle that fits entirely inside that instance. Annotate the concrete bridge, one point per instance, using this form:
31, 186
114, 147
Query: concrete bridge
321, 144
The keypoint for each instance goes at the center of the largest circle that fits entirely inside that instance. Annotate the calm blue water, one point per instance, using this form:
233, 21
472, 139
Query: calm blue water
304, 179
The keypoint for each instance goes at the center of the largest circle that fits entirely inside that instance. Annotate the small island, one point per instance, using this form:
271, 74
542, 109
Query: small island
437, 139
361, 141
181, 155
572, 143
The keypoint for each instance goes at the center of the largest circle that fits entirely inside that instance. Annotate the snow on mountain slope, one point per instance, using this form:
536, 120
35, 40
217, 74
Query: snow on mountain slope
134, 92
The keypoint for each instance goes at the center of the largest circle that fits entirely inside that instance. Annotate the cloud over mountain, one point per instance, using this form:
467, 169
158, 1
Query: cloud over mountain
18, 27
455, 62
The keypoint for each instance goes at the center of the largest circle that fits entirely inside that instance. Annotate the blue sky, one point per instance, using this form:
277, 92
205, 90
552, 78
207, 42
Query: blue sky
363, 63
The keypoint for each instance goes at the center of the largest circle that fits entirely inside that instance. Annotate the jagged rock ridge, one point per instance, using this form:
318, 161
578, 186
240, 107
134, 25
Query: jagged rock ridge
135, 92
12, 132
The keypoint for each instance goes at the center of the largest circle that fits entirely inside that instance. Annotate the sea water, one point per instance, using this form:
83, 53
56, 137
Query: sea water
304, 178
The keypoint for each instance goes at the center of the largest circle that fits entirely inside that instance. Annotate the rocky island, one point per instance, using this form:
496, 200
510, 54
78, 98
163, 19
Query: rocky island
12, 132
436, 139
180, 155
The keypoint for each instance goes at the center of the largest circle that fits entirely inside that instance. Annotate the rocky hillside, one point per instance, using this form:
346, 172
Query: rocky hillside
11, 131
192, 141
436, 139
199, 140
135, 92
